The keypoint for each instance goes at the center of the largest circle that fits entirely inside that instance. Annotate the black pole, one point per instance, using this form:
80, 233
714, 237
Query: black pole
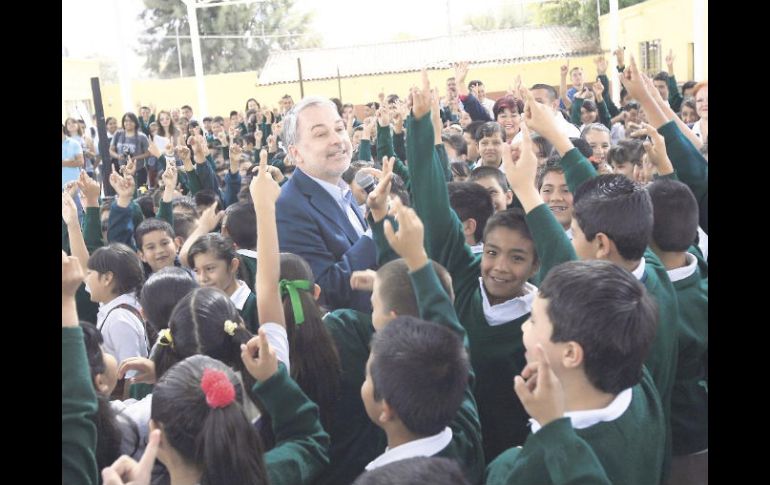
301, 86
101, 129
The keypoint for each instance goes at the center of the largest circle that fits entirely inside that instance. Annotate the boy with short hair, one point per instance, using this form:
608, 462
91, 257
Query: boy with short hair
612, 221
490, 138
493, 180
594, 324
675, 226
473, 206
156, 245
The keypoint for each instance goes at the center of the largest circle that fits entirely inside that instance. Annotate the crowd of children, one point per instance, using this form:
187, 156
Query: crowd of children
537, 312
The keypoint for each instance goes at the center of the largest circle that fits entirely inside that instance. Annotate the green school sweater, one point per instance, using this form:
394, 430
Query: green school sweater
78, 408
568, 459
92, 235
629, 449
497, 352
249, 313
662, 359
691, 168
355, 440
301, 444
689, 400
466, 445
247, 270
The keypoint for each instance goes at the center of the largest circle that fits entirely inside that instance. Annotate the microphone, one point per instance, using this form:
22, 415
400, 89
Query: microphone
366, 181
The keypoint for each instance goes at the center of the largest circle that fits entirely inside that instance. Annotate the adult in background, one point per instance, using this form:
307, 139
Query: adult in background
318, 218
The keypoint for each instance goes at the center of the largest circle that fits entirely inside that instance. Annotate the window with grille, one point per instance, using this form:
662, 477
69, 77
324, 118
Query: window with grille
650, 57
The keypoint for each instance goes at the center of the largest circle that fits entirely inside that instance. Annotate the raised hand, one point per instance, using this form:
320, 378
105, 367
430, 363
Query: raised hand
383, 116
564, 69
655, 148
126, 471
633, 82
200, 148
264, 190
421, 98
539, 390
620, 53
377, 200
272, 143
169, 177
69, 211
601, 65
598, 88
521, 175
210, 218
408, 241
539, 117
90, 188
259, 358
130, 168
71, 275
461, 70
670, 61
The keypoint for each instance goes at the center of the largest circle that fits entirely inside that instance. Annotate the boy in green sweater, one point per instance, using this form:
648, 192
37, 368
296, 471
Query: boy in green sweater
612, 221
418, 378
595, 324
493, 297
356, 440
676, 223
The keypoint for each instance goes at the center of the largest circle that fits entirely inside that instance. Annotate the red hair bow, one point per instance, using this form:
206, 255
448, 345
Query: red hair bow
219, 391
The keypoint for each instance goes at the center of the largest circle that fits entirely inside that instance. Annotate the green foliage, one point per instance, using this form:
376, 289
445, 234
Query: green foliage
576, 13
509, 17
272, 17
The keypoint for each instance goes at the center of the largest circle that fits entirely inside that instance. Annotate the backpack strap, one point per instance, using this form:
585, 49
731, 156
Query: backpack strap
135, 312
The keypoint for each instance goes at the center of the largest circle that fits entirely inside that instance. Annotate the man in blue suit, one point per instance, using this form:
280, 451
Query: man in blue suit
317, 215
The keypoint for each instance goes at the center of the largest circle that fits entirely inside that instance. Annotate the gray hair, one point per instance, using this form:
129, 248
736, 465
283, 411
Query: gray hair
594, 127
289, 132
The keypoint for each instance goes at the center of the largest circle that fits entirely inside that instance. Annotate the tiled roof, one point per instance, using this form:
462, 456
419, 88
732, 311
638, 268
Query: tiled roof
501, 46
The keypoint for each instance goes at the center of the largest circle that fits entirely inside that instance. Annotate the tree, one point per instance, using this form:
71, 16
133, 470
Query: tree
268, 19
576, 13
508, 17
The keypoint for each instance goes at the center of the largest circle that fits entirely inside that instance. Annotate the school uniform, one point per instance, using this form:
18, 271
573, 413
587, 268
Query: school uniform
247, 271
123, 331
355, 439
78, 406
626, 437
553, 248
246, 302
496, 347
461, 440
301, 444
689, 399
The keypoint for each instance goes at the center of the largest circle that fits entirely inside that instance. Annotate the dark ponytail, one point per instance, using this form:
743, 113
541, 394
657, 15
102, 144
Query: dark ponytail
315, 364
220, 440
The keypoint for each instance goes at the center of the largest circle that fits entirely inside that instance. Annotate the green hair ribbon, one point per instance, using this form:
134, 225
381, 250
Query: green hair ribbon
291, 288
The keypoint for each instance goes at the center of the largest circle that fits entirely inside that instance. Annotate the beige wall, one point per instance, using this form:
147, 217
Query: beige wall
226, 92
671, 21
76, 77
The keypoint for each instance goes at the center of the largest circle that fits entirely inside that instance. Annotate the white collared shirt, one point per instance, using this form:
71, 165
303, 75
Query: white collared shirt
590, 417
338, 193
639, 271
508, 310
569, 233
240, 295
478, 248
703, 243
247, 252
123, 332
423, 447
685, 271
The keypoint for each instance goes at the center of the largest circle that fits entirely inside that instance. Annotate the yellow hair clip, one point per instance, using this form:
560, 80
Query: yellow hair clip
230, 327
165, 339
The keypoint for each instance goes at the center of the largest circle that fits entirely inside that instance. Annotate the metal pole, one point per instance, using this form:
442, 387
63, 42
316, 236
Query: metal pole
124, 78
178, 49
101, 129
192, 16
339, 84
301, 85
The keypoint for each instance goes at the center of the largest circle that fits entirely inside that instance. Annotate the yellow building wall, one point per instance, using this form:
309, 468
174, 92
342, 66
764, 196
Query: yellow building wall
76, 77
670, 21
227, 92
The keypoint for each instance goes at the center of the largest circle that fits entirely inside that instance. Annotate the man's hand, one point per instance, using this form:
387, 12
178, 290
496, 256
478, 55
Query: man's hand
377, 200
539, 390
408, 241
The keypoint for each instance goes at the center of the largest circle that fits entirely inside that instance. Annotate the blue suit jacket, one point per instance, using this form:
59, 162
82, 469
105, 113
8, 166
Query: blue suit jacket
311, 224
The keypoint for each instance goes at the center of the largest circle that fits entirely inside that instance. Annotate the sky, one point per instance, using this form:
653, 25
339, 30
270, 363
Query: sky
89, 26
